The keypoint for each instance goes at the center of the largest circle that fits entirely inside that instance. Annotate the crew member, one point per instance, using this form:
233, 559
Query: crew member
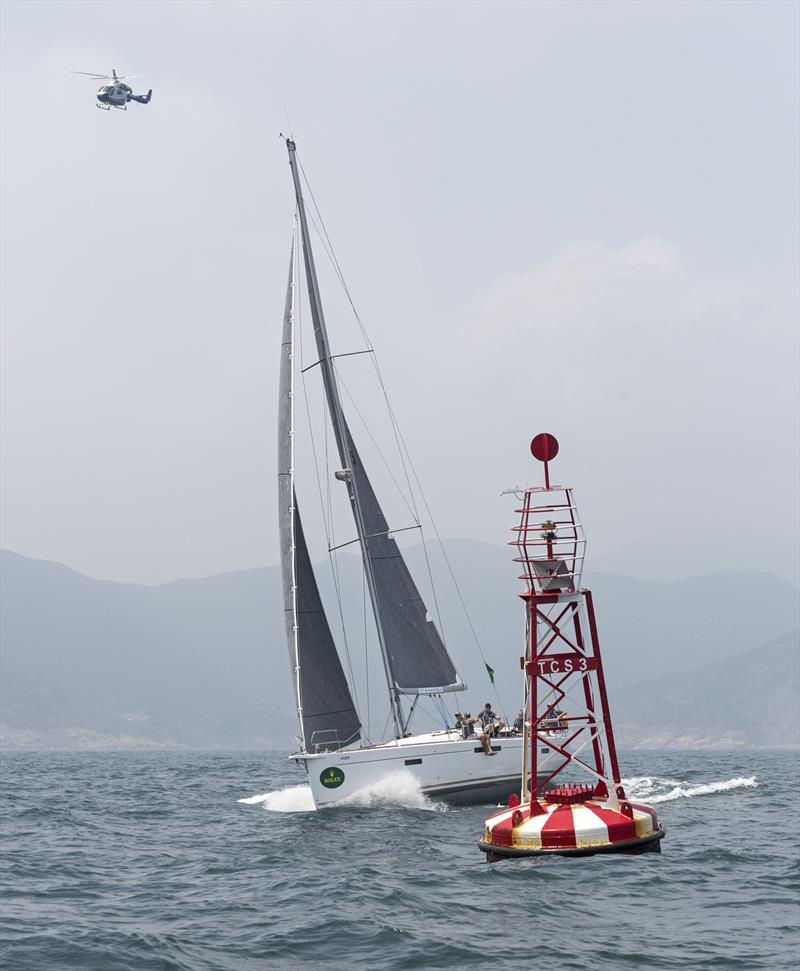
487, 717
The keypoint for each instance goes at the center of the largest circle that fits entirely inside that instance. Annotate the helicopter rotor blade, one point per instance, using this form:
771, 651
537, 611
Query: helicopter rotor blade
114, 76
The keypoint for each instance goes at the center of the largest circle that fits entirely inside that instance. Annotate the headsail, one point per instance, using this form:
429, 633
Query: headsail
325, 705
328, 718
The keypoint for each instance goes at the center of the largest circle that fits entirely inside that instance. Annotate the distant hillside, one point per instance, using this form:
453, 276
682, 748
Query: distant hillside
697, 551
750, 699
194, 662
203, 662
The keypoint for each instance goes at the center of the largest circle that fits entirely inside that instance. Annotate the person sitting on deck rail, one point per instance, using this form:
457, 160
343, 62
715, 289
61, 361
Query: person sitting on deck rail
468, 730
519, 721
488, 718
485, 735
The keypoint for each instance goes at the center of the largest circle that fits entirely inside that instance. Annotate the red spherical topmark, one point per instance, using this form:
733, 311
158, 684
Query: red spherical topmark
544, 447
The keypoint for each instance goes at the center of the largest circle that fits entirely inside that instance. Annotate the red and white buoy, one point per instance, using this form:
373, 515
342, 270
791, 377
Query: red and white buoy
566, 704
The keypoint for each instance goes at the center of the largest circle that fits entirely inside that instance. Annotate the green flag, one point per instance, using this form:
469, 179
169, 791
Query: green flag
489, 671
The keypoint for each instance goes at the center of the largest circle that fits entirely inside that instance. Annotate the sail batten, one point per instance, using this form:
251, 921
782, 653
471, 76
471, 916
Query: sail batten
327, 716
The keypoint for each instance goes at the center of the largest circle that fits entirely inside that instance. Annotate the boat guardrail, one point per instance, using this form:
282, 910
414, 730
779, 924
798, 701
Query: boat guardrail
327, 740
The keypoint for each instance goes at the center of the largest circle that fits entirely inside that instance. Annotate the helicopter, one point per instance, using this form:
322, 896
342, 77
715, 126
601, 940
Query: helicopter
116, 94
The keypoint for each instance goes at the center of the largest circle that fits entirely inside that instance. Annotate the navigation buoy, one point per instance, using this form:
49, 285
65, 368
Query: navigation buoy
566, 704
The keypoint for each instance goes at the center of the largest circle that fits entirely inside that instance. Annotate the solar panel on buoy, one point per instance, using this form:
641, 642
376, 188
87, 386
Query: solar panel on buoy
566, 703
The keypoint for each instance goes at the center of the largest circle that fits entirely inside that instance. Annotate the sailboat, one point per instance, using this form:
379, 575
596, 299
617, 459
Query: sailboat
337, 757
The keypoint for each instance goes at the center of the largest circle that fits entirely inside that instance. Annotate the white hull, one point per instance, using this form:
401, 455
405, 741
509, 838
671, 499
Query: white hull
447, 767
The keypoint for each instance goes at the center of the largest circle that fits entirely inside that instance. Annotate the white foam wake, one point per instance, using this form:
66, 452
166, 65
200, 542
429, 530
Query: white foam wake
645, 786
396, 789
292, 799
652, 789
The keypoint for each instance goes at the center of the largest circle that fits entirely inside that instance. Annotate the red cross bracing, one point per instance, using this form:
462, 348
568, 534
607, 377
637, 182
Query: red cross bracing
566, 702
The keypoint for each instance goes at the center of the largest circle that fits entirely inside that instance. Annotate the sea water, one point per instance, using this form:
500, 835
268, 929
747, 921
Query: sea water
196, 860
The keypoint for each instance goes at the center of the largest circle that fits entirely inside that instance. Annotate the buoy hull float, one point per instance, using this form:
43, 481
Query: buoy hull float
564, 686
572, 829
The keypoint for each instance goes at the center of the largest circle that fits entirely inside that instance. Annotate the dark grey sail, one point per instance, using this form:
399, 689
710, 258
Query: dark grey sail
420, 663
328, 715
328, 719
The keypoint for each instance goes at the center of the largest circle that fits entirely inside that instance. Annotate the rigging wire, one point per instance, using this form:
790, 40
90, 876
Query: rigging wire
332, 258
374, 441
386, 725
331, 254
400, 440
441, 710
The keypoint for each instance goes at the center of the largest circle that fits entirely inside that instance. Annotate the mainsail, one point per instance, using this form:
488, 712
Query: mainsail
328, 718
420, 663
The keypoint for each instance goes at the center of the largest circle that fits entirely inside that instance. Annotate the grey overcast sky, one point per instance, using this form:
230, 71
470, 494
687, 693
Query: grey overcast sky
573, 217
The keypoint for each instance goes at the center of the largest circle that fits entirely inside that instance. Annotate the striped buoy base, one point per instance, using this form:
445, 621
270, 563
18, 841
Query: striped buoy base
572, 828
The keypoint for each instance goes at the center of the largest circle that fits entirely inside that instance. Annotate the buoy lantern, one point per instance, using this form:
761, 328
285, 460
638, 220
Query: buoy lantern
565, 699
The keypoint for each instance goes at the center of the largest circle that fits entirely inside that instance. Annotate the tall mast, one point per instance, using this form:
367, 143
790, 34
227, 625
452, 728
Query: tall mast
341, 434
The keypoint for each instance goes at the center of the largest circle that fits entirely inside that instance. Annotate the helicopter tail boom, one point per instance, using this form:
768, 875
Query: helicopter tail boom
142, 98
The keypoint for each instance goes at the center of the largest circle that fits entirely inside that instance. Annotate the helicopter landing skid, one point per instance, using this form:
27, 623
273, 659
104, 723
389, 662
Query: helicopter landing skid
104, 107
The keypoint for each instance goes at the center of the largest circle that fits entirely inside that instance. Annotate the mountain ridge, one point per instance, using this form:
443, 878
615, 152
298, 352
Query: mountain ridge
203, 662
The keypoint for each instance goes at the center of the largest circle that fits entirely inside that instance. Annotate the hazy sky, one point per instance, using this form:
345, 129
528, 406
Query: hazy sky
572, 217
